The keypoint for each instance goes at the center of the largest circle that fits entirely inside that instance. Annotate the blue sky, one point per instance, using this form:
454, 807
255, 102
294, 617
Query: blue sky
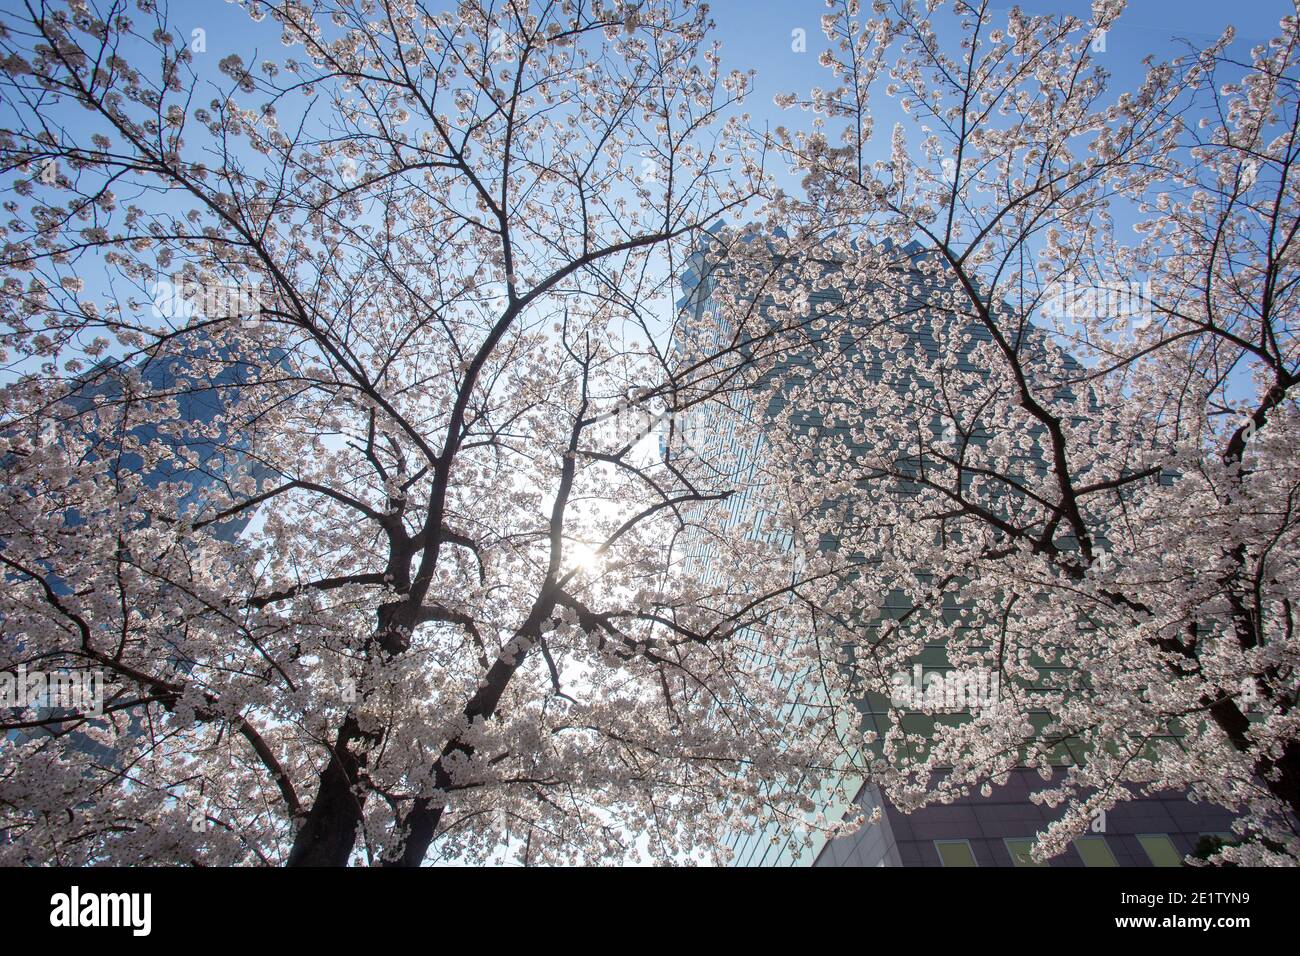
757, 34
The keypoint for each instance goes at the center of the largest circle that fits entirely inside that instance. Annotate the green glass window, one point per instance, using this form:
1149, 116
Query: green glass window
1019, 849
1160, 849
955, 852
1094, 851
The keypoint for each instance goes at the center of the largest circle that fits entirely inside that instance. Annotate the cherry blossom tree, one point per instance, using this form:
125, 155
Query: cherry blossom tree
349, 429
1065, 420
413, 587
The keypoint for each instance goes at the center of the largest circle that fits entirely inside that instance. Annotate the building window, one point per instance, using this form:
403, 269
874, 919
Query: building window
1019, 848
955, 852
1160, 849
1094, 851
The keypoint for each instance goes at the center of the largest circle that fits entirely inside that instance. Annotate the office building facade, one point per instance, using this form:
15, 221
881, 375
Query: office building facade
996, 829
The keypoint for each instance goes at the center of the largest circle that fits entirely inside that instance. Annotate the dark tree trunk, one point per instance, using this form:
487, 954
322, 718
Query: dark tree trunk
1282, 775
329, 832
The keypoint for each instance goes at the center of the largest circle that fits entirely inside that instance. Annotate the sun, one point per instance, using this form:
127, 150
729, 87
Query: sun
584, 556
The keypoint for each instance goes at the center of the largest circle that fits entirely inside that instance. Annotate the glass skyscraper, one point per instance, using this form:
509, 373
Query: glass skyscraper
993, 830
202, 380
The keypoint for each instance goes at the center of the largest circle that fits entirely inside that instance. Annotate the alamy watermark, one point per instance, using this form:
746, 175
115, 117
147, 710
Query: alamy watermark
81, 691
960, 689
1130, 302
77, 909
631, 422
176, 298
